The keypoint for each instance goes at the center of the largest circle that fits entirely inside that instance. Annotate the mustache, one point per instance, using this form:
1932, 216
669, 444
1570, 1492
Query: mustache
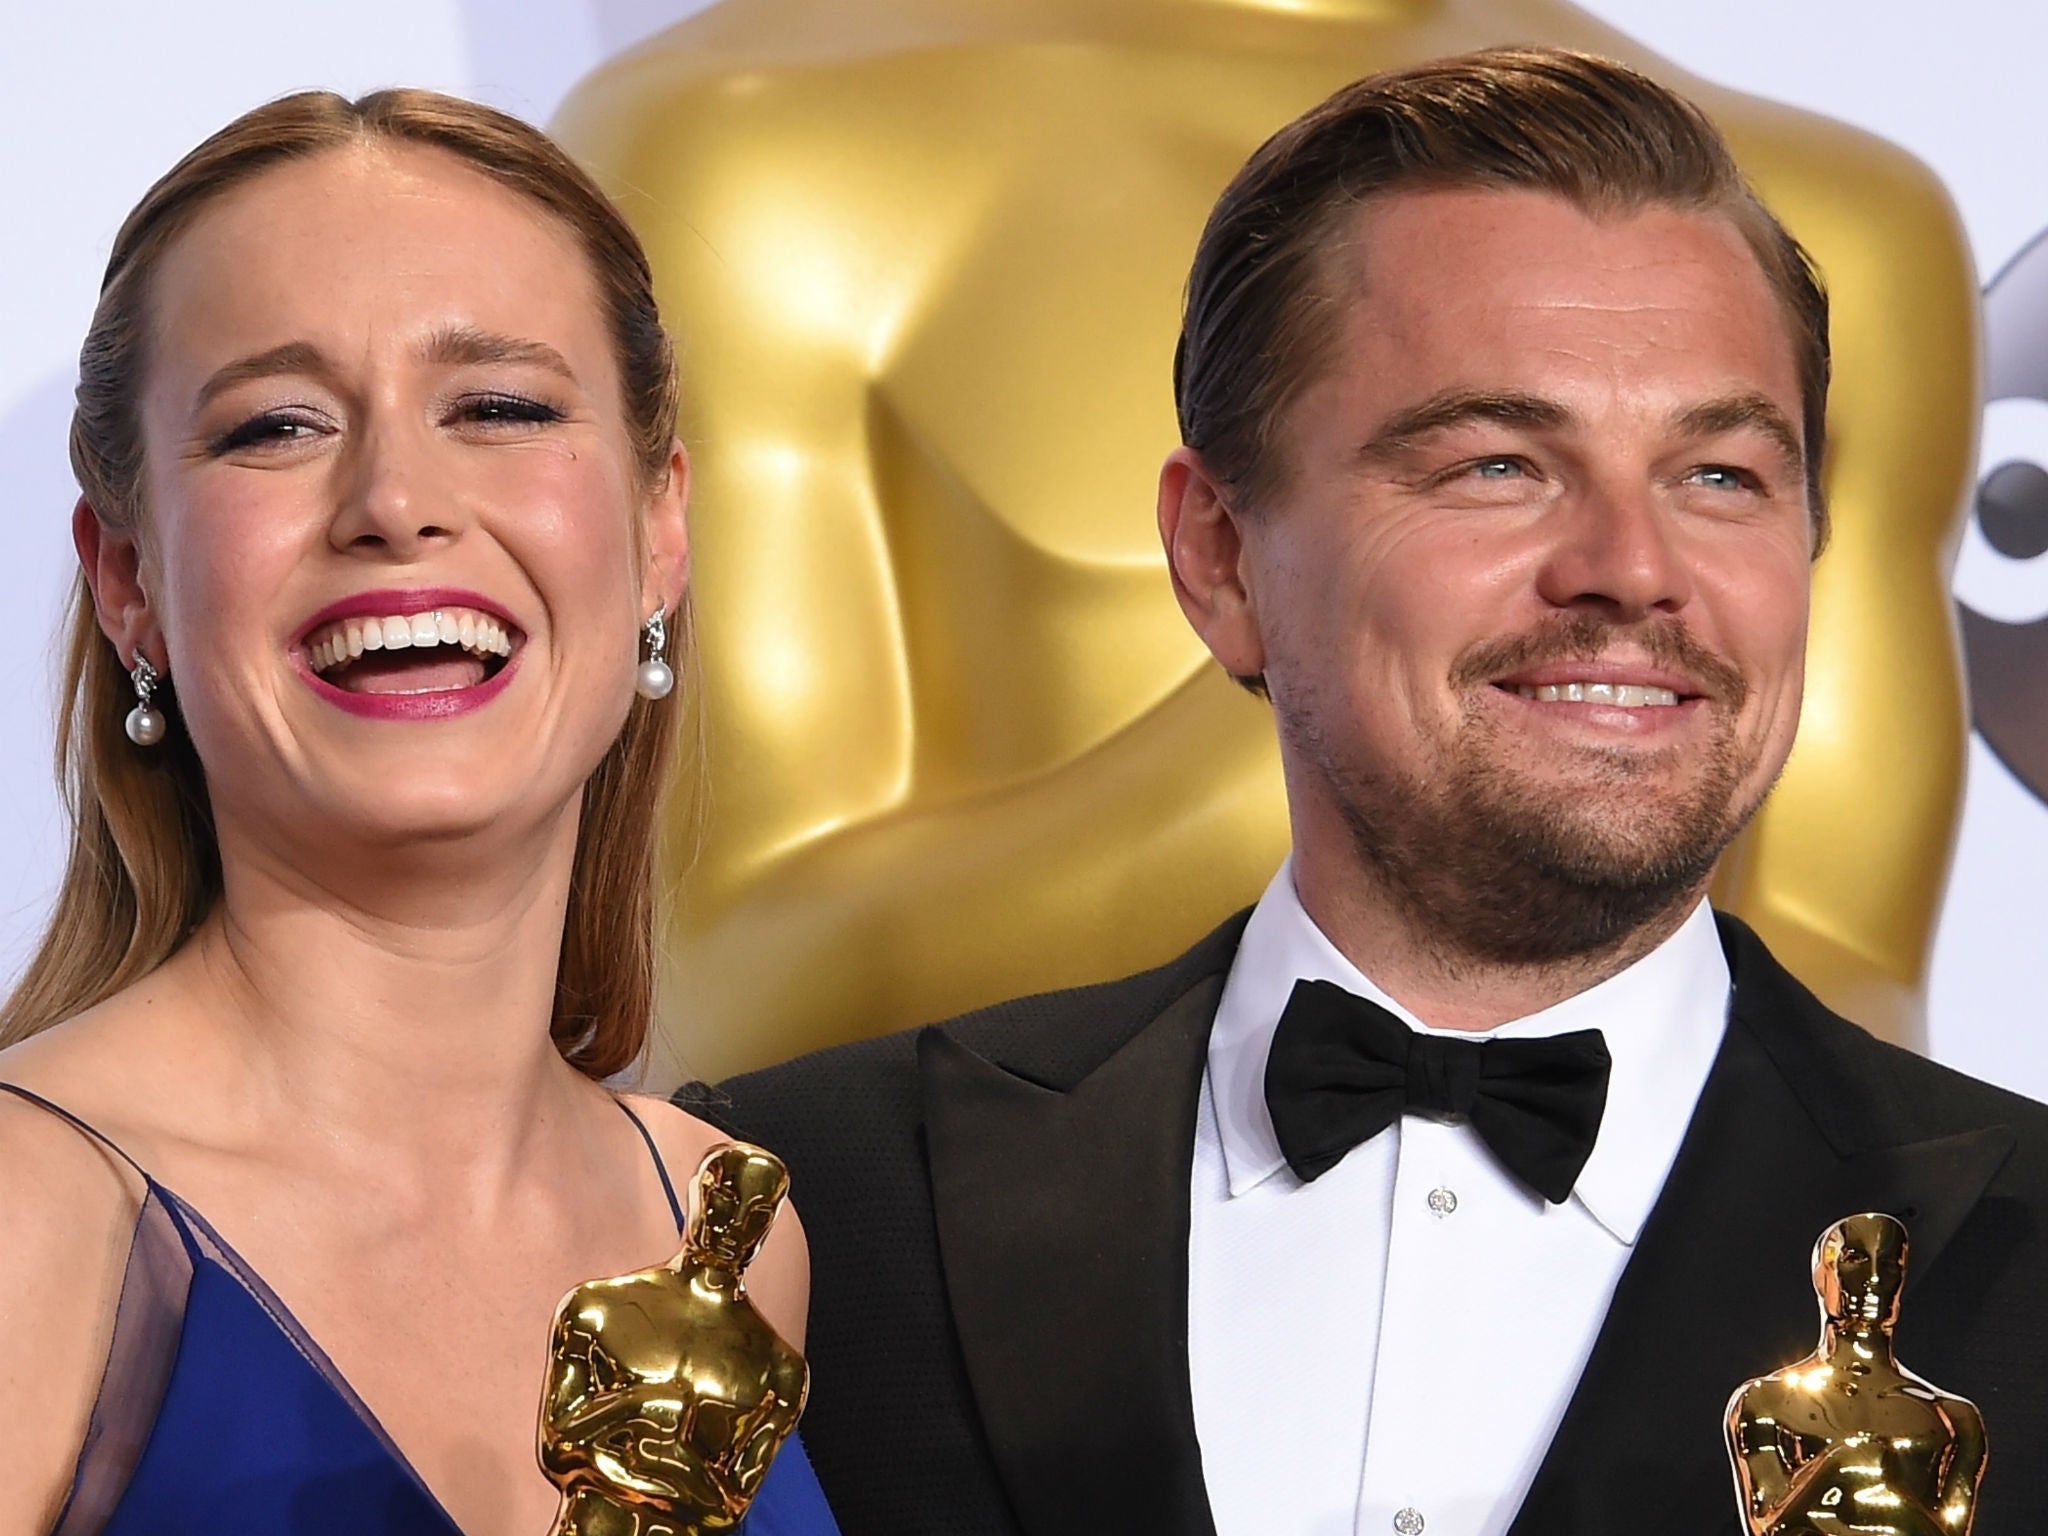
1587, 637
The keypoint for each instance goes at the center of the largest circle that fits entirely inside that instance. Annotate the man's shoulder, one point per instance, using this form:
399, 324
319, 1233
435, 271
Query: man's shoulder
1856, 1085
1930, 1099
1055, 1038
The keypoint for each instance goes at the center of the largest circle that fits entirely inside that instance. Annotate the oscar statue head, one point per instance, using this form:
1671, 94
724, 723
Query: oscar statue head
1859, 1267
739, 1189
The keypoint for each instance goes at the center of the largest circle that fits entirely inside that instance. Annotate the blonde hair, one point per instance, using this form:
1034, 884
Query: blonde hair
144, 868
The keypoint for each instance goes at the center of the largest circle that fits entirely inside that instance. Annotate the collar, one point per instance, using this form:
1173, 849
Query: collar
1662, 1019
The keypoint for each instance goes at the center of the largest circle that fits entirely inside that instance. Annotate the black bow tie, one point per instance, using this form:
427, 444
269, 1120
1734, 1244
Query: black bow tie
1342, 1070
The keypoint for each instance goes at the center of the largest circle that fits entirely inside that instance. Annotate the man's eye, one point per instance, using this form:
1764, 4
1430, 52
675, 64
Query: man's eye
1723, 477
1497, 469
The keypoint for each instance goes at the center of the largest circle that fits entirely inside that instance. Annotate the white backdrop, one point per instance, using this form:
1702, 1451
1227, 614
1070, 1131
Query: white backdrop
97, 98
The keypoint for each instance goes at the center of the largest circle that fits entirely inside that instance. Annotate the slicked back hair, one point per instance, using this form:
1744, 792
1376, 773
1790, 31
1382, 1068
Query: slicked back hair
1604, 137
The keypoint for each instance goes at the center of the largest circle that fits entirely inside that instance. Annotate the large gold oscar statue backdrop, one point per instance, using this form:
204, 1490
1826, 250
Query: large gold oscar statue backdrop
925, 258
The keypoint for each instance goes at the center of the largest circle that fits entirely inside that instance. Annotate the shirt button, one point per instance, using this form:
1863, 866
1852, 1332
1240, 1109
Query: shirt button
1441, 1203
1408, 1522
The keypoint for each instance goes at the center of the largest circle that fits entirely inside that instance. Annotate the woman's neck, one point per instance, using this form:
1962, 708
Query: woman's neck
391, 999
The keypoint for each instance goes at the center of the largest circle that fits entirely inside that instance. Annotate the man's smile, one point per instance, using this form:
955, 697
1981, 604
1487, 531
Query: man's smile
1621, 695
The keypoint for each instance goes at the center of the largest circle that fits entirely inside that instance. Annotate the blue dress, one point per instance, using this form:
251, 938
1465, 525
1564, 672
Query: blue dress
218, 1411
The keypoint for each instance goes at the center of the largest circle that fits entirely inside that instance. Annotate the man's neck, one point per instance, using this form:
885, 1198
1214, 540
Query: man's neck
1443, 985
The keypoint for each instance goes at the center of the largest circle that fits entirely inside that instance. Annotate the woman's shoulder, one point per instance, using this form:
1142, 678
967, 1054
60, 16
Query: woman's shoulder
681, 1138
59, 1165
68, 1207
779, 1279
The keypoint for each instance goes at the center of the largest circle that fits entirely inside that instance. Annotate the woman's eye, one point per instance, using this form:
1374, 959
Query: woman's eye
260, 431
494, 410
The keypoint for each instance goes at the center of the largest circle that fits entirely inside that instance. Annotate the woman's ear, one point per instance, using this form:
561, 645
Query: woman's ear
112, 563
668, 536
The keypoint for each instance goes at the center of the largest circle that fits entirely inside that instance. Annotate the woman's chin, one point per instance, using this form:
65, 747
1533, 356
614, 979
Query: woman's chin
432, 814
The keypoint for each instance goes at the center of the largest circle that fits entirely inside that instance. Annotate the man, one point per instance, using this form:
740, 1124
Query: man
1502, 403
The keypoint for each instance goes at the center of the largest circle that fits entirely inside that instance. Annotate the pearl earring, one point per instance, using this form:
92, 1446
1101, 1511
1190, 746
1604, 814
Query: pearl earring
656, 676
145, 722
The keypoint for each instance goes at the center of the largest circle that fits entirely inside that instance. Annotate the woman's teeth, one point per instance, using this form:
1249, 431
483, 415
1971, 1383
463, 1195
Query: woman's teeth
335, 644
1621, 695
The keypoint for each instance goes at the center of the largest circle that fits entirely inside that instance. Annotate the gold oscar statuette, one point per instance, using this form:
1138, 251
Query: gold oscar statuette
925, 258
668, 1395
1847, 1441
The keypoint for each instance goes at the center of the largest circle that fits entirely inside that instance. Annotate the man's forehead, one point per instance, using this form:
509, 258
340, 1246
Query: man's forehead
1473, 279
1518, 242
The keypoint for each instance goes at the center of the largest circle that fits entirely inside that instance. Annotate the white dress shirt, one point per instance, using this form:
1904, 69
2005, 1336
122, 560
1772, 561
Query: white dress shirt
1390, 1348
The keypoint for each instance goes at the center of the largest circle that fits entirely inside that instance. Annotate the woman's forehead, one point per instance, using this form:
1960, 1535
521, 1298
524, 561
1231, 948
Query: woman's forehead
359, 244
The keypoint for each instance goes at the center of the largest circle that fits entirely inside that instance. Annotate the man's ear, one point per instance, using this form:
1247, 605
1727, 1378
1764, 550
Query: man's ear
667, 531
1205, 552
112, 563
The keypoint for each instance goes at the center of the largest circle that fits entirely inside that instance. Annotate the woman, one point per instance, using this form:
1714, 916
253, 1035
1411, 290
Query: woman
382, 521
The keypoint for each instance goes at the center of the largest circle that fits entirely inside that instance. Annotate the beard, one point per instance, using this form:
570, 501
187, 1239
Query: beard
1494, 865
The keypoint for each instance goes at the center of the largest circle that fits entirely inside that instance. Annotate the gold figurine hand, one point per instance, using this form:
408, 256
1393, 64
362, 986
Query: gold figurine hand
668, 1395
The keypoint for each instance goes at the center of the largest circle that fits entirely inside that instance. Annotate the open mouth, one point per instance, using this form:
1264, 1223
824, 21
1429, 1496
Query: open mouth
438, 650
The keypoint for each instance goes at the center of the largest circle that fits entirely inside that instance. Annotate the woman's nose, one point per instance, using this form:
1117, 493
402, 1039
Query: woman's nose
390, 498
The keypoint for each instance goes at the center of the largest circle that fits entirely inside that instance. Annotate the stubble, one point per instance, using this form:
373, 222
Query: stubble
1490, 864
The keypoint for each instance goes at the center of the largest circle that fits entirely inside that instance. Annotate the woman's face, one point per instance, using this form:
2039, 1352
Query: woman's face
396, 554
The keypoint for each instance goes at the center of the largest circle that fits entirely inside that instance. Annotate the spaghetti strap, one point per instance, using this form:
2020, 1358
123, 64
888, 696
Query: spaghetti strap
93, 1131
675, 1206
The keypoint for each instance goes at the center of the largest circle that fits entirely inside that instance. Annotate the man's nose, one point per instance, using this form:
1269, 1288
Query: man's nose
1613, 549
392, 498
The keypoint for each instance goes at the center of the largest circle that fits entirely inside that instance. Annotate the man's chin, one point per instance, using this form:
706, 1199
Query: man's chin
1623, 846
1514, 872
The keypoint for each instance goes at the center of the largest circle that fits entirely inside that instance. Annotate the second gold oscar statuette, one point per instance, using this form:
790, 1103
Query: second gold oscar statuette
1847, 1442
668, 1394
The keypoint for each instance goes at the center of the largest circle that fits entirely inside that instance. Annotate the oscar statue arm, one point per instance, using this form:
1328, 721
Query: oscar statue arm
1784, 1505
579, 1412
686, 1477
1757, 1448
768, 1427
571, 1386
725, 1476
1958, 1505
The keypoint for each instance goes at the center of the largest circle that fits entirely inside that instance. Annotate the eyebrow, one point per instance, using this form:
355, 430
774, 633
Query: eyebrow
1746, 412
292, 357
459, 345
452, 346
1456, 408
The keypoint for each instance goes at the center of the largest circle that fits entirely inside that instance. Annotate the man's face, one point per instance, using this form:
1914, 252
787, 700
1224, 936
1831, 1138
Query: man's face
1531, 598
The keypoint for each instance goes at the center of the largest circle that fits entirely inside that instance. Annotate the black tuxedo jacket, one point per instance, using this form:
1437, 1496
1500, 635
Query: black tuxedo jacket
998, 1214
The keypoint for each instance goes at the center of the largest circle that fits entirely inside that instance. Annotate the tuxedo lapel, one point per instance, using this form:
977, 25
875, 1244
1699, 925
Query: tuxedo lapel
1782, 1143
1063, 1233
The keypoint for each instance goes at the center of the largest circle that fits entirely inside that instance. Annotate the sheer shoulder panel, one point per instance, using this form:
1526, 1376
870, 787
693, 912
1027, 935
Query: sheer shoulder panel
147, 1328
148, 1322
